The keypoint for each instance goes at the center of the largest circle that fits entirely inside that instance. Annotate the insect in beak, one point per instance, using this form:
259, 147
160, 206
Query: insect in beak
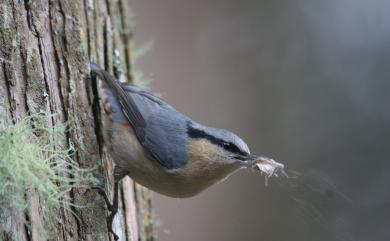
267, 166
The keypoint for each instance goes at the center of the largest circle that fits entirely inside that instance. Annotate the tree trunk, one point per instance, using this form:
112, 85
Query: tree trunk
45, 50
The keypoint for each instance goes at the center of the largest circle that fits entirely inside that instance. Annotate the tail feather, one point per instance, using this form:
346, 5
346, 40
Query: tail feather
96, 70
126, 101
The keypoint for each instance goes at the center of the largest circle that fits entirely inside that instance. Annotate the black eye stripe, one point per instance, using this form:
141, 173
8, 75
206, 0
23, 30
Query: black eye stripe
198, 134
232, 148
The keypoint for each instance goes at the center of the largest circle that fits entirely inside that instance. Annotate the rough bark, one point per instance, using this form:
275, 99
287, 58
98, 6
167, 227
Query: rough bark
45, 50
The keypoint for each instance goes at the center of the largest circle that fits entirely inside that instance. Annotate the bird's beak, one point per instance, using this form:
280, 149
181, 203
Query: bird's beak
250, 160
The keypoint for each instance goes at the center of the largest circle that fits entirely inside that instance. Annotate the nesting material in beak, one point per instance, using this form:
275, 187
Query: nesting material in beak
269, 167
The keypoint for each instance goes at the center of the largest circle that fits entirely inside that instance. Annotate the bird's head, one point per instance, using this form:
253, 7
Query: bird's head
221, 146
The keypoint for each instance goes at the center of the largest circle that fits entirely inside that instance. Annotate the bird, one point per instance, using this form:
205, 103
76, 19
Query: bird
160, 147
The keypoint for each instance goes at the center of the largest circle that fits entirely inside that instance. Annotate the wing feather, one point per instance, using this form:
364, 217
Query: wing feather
152, 119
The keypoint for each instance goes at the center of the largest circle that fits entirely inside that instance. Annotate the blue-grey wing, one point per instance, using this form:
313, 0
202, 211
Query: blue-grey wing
165, 132
160, 129
166, 139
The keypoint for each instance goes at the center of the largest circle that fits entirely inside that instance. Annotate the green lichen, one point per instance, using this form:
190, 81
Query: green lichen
31, 159
140, 78
142, 50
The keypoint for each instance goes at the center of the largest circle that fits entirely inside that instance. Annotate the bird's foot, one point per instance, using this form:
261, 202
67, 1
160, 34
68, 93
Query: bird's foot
103, 193
110, 219
113, 208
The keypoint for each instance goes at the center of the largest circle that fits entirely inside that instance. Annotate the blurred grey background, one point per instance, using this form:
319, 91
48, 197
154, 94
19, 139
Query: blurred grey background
306, 82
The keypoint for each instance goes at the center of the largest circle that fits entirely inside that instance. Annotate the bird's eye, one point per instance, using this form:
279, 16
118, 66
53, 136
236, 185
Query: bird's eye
230, 147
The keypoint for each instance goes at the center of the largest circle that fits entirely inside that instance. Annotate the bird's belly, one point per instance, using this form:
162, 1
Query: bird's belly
173, 183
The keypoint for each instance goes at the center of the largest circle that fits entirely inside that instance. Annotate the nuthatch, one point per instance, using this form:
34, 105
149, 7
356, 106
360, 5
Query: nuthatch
161, 148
